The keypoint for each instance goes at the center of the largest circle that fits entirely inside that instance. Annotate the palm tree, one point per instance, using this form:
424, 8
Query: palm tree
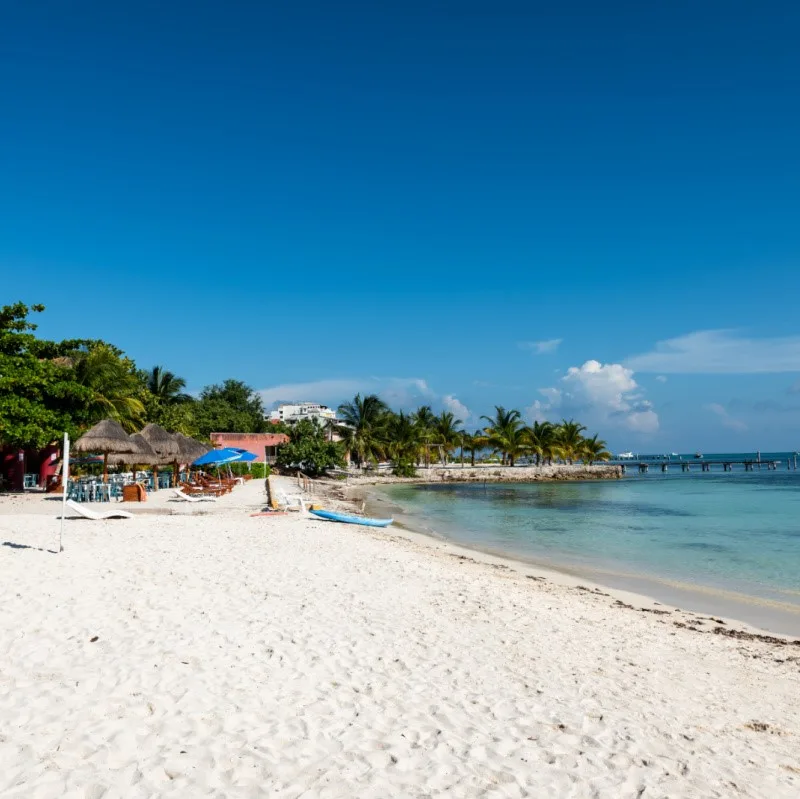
539, 437
504, 433
594, 449
166, 386
474, 442
569, 439
446, 433
364, 429
113, 385
425, 420
402, 438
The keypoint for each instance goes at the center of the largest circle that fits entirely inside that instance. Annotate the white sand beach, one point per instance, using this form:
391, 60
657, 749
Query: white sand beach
212, 653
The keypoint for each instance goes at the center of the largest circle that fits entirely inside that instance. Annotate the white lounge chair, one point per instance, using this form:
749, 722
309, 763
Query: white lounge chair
189, 498
88, 513
291, 501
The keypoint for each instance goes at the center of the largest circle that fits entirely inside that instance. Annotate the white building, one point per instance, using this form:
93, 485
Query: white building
292, 413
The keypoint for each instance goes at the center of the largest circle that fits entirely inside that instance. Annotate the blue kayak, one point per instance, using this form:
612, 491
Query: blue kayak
343, 517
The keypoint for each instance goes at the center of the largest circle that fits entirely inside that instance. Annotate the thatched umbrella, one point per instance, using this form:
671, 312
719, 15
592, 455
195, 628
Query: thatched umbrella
143, 453
107, 437
162, 442
189, 449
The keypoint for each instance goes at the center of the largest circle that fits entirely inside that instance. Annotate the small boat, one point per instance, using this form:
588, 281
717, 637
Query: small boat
698, 454
347, 519
625, 455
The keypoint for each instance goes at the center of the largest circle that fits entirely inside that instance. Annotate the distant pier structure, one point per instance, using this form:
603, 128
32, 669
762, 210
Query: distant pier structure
643, 464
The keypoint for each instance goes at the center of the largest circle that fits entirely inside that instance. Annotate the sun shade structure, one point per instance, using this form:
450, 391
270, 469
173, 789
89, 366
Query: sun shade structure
217, 456
160, 440
144, 453
188, 450
107, 437
244, 455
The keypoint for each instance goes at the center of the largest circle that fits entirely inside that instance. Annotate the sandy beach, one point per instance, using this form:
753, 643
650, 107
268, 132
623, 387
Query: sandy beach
208, 652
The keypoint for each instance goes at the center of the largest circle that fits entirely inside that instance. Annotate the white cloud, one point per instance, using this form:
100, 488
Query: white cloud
600, 395
661, 378
720, 352
541, 347
456, 407
397, 392
725, 418
314, 391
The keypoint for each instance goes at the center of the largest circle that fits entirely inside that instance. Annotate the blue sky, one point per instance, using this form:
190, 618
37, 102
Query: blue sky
580, 209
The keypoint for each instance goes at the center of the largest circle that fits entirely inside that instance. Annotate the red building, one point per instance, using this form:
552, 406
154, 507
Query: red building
40, 466
263, 445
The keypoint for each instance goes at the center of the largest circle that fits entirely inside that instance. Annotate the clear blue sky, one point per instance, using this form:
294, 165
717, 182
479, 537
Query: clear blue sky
405, 197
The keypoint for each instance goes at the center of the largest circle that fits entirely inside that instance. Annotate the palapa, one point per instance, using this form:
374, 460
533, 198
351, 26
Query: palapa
144, 453
189, 449
107, 437
160, 440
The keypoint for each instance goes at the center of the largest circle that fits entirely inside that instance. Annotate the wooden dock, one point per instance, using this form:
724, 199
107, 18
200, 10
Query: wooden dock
703, 465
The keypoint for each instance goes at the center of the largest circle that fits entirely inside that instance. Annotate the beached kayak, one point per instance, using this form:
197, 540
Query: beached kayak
343, 517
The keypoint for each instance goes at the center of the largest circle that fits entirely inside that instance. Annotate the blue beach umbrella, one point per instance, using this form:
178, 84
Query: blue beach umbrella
216, 457
244, 455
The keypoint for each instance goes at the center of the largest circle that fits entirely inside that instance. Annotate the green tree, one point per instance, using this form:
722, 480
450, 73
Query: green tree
569, 439
364, 427
38, 391
309, 450
425, 422
403, 443
166, 387
474, 442
446, 433
594, 449
540, 440
115, 387
505, 433
229, 407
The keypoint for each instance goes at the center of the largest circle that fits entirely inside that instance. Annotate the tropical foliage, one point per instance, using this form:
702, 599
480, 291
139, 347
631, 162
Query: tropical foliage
48, 387
371, 432
310, 450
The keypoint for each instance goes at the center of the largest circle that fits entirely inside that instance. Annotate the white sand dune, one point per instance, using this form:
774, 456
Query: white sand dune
223, 655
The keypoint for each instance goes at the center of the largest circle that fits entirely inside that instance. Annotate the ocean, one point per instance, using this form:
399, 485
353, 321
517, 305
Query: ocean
726, 543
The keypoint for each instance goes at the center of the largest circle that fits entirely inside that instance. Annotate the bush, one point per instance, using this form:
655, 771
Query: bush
309, 450
404, 469
259, 471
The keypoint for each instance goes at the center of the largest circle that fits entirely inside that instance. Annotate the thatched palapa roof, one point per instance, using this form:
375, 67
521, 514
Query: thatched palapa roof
106, 436
143, 454
188, 448
160, 440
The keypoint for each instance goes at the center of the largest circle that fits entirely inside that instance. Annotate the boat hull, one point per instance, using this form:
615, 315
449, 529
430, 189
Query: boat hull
332, 516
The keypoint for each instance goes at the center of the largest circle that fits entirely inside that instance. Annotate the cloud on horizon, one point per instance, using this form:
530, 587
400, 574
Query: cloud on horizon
726, 420
398, 392
599, 395
541, 347
720, 352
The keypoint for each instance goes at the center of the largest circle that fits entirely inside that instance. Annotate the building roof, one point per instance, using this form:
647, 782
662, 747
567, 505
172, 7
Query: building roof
252, 442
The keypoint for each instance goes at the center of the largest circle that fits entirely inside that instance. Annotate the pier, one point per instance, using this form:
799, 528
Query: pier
643, 466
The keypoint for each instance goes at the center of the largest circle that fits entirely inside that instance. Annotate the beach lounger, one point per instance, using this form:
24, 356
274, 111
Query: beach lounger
88, 513
195, 498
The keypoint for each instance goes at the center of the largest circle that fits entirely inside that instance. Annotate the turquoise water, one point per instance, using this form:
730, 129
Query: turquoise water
730, 532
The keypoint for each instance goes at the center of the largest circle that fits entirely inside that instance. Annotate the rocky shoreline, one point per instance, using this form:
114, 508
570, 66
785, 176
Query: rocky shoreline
492, 474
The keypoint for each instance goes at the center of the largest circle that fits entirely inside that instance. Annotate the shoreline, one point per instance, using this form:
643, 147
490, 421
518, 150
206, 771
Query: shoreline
750, 614
231, 652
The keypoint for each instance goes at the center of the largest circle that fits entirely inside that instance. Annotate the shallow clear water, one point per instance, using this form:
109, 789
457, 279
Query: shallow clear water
732, 531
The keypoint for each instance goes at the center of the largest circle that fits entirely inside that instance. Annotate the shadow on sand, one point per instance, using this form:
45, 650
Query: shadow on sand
12, 545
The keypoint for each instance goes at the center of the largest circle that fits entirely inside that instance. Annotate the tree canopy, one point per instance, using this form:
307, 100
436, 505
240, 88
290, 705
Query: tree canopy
48, 387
